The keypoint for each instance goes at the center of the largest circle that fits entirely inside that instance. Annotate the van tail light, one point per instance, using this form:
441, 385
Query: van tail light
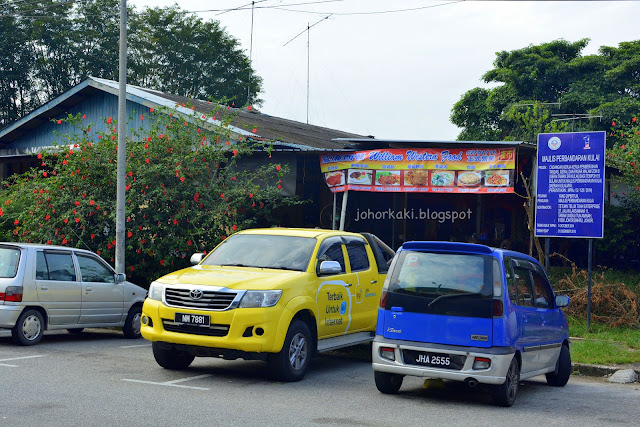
498, 308
481, 363
388, 353
12, 294
383, 299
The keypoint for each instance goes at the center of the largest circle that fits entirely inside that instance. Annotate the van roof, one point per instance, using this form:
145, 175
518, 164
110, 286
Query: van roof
458, 247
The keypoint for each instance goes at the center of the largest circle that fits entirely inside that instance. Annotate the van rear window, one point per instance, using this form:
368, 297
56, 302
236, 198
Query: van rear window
9, 260
442, 283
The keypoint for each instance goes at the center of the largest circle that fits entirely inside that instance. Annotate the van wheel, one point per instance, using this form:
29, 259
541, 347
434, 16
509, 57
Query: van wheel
29, 328
388, 383
171, 358
292, 362
75, 330
131, 328
506, 393
563, 369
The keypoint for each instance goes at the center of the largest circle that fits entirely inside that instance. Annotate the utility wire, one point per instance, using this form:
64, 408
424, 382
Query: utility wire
367, 13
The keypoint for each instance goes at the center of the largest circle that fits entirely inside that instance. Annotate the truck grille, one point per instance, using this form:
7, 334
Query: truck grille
211, 330
211, 300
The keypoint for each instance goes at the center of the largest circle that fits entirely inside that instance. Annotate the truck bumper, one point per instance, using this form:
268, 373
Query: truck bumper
247, 330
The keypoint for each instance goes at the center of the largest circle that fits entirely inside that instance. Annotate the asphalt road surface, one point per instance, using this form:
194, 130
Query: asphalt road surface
98, 378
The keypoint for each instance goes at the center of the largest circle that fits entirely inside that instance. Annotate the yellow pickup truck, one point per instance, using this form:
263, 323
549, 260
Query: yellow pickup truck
276, 294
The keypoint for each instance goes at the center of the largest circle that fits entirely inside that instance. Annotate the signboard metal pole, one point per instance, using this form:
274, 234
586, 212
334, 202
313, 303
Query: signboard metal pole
547, 244
343, 212
589, 285
333, 218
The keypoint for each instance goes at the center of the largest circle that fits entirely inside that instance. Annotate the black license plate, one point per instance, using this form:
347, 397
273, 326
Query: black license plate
193, 319
434, 360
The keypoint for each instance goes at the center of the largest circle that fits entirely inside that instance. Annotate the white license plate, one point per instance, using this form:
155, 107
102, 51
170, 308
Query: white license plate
193, 319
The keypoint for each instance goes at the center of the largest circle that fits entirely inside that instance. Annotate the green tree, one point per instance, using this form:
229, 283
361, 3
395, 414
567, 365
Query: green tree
185, 192
47, 47
552, 81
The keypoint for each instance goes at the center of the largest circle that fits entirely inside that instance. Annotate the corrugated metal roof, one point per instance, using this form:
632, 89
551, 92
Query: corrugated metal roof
286, 134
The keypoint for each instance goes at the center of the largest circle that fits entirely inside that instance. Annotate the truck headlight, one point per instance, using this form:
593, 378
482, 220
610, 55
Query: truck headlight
155, 291
260, 299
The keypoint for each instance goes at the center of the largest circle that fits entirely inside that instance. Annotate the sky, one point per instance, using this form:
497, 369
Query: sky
396, 75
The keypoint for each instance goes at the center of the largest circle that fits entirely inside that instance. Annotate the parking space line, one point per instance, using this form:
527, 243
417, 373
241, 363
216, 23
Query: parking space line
134, 346
173, 383
16, 358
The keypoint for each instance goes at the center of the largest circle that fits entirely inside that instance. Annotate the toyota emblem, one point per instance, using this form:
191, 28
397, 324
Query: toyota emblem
195, 294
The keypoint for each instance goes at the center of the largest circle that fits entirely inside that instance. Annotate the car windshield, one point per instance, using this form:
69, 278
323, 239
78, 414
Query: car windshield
264, 251
9, 260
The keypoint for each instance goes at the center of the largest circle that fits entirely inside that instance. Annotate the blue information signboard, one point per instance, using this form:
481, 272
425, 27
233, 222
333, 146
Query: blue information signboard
570, 185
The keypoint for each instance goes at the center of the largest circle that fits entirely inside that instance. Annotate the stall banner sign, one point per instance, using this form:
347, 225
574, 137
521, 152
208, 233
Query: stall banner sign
570, 185
422, 170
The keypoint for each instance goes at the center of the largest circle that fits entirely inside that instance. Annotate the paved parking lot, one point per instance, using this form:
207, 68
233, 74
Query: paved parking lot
100, 378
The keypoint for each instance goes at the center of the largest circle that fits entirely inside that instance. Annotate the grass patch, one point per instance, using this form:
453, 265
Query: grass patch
603, 345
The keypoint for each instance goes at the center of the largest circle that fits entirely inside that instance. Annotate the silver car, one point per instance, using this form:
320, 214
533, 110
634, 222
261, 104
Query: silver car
45, 287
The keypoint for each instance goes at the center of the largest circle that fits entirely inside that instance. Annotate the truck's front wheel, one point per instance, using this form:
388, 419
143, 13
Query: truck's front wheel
170, 357
292, 362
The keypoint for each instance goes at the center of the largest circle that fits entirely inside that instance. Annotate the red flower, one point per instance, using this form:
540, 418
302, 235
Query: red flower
92, 202
44, 174
189, 242
278, 167
99, 136
613, 123
634, 120
129, 234
185, 123
161, 262
235, 152
48, 242
109, 120
16, 222
234, 227
151, 109
623, 146
146, 160
59, 122
92, 236
199, 130
279, 187
77, 203
39, 155
46, 217
254, 130
249, 108
77, 220
64, 241
66, 220
222, 195
182, 179
141, 117
175, 222
113, 242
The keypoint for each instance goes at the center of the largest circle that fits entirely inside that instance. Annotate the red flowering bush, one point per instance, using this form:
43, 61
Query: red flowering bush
186, 190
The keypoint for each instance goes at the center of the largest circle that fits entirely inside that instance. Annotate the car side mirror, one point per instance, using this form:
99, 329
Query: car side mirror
329, 267
196, 258
562, 300
120, 277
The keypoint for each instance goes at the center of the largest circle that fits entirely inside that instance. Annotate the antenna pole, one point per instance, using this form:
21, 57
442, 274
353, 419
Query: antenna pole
253, 3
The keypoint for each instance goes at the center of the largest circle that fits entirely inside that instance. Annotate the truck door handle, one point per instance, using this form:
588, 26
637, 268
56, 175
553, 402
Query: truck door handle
374, 281
44, 287
348, 285
89, 289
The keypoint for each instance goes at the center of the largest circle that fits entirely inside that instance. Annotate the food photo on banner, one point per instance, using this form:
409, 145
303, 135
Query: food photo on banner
435, 170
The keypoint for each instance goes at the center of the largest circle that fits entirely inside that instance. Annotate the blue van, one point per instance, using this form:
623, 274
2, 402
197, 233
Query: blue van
470, 313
